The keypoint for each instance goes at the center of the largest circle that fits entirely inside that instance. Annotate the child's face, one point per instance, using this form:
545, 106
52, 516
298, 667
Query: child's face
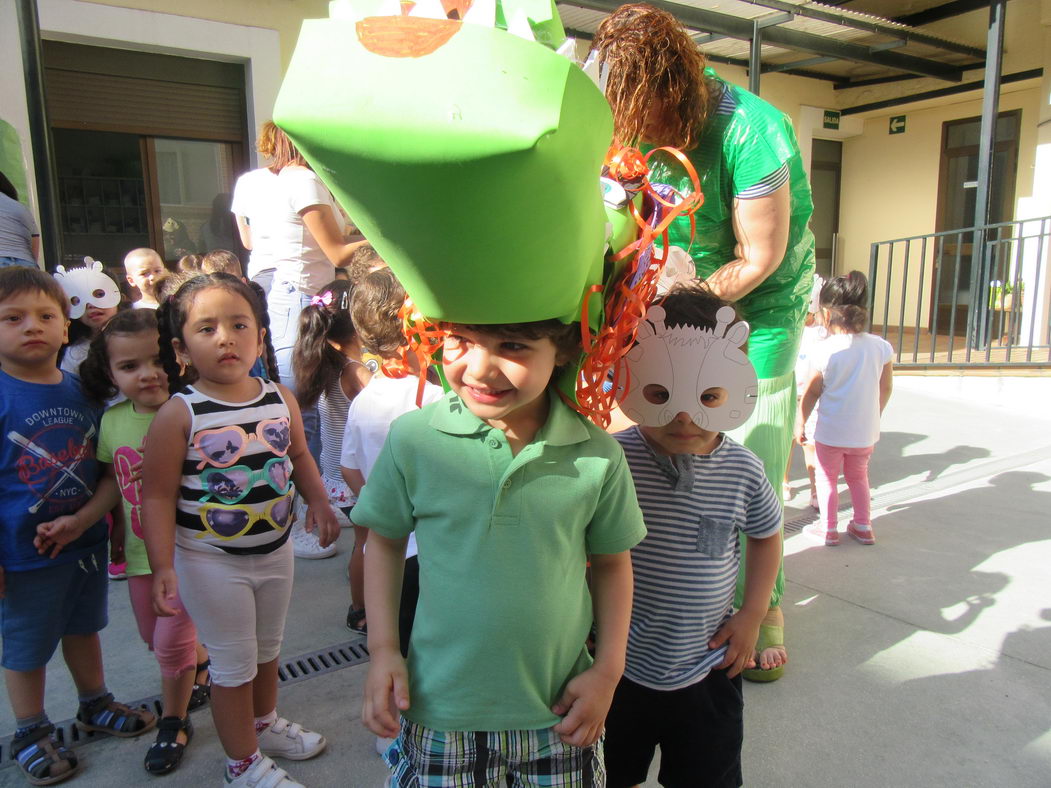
220, 338
32, 330
136, 370
95, 317
144, 272
681, 436
500, 379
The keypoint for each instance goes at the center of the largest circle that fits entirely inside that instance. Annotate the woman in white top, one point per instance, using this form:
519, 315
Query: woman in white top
252, 189
297, 228
19, 237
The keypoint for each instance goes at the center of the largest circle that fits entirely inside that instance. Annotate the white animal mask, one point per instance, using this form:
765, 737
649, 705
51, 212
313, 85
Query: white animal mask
87, 285
687, 361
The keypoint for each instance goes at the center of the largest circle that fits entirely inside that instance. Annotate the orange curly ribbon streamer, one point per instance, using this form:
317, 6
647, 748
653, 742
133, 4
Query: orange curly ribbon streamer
424, 340
625, 306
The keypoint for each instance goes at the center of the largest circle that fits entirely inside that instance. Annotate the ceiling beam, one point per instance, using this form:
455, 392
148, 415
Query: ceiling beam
943, 11
952, 90
736, 27
880, 28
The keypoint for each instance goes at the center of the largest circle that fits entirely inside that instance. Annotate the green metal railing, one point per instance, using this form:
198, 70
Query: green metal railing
978, 296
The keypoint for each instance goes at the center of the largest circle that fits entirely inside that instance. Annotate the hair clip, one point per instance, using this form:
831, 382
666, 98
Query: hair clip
322, 300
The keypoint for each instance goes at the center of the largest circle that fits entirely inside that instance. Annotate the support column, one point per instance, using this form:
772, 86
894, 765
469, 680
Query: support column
755, 63
40, 134
981, 265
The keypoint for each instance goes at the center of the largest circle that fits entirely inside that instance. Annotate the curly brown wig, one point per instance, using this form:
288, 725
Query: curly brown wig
654, 67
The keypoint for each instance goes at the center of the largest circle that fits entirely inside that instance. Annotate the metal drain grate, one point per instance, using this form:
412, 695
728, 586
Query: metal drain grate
902, 493
290, 671
326, 660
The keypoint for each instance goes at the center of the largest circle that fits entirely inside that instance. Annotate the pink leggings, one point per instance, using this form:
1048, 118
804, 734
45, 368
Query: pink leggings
854, 463
172, 639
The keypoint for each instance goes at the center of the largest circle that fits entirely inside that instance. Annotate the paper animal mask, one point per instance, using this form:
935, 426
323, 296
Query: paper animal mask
87, 285
672, 366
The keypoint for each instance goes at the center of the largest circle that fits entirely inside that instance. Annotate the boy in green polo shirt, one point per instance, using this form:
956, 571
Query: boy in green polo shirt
509, 493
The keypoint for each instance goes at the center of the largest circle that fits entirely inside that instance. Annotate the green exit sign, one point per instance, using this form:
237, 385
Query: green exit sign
831, 119
897, 125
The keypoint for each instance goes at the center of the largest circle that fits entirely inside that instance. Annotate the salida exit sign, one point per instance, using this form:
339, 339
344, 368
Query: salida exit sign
897, 125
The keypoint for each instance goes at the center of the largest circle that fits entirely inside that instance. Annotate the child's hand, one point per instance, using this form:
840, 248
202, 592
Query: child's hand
324, 519
740, 634
136, 469
386, 692
55, 535
800, 433
165, 589
583, 707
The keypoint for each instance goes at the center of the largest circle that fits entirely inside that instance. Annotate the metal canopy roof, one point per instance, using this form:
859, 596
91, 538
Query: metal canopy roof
802, 38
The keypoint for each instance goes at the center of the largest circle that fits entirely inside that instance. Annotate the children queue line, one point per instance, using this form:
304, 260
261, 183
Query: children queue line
222, 513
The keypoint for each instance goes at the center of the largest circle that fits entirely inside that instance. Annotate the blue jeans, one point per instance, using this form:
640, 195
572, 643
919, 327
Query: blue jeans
284, 305
9, 261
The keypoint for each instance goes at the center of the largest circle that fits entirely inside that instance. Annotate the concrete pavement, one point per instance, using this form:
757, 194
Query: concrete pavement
924, 660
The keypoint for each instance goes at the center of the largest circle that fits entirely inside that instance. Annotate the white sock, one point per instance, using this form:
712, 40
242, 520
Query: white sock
264, 722
236, 767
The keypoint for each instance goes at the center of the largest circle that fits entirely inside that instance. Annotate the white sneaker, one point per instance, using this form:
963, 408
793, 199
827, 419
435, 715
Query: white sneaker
308, 545
284, 739
264, 773
382, 743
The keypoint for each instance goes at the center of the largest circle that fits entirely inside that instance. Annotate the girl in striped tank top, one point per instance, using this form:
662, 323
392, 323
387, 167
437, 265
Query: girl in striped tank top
223, 460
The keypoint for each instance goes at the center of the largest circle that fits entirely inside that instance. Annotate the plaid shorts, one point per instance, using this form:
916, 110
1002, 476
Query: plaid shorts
425, 758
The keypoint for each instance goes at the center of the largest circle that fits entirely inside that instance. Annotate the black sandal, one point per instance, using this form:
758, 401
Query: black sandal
355, 617
43, 760
201, 693
166, 751
106, 715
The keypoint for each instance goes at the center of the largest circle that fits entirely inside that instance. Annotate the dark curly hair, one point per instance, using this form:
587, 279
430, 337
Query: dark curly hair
315, 362
174, 310
95, 378
847, 300
653, 64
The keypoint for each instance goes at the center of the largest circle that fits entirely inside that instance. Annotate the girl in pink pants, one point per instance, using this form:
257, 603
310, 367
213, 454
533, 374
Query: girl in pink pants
849, 385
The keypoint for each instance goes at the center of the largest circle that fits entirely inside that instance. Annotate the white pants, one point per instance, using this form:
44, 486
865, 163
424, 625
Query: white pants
239, 604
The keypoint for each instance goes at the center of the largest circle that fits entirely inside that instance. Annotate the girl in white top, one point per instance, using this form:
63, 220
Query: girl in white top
329, 374
850, 382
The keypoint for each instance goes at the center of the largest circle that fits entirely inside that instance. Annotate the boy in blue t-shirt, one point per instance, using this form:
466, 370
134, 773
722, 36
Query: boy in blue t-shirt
700, 491
509, 492
53, 548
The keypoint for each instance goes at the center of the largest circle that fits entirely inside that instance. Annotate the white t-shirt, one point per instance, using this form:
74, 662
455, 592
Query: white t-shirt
848, 410
279, 233
142, 304
253, 189
369, 420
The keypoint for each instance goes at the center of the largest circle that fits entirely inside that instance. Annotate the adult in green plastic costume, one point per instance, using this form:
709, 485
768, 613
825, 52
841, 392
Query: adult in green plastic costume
751, 244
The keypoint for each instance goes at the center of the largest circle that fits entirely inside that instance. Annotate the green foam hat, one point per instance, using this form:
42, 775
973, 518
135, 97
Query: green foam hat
467, 154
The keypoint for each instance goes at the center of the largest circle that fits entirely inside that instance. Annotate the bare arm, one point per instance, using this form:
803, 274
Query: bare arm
161, 475
811, 394
587, 697
761, 228
387, 681
34, 247
886, 384
741, 630
321, 223
306, 476
354, 479
245, 231
52, 536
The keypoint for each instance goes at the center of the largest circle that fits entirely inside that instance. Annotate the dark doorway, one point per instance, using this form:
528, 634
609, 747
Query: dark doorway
957, 192
826, 171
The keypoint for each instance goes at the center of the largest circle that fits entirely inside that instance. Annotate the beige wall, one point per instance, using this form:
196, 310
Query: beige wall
787, 93
284, 16
890, 184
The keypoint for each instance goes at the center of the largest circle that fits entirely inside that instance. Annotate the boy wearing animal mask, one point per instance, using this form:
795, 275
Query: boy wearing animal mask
690, 379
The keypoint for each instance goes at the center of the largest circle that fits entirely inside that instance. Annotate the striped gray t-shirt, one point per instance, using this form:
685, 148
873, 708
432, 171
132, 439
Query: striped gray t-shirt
686, 568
